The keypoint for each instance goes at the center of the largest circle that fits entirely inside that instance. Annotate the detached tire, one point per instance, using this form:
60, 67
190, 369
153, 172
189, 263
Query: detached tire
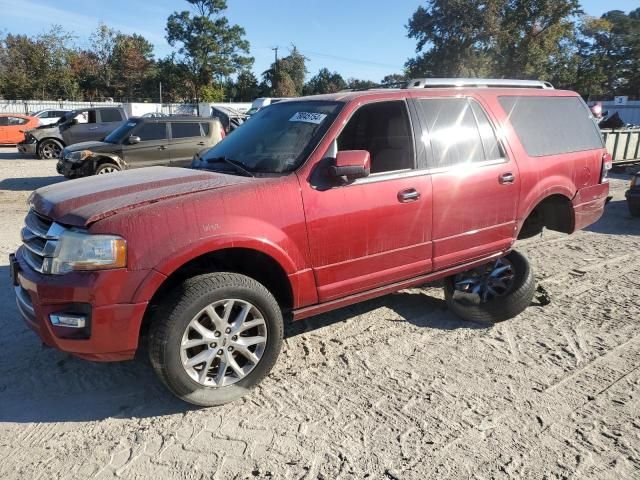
496, 308
106, 167
215, 338
49, 149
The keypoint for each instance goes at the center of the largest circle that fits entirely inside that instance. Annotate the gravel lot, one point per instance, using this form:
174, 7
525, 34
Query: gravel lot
395, 388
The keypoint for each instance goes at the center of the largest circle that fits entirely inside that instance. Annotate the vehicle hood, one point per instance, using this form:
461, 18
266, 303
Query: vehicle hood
45, 131
93, 146
86, 200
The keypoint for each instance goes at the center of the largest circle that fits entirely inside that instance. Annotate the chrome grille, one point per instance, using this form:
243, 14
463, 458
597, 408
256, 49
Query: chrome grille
40, 239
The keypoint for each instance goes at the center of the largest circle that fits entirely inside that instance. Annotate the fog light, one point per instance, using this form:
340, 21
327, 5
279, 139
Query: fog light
70, 320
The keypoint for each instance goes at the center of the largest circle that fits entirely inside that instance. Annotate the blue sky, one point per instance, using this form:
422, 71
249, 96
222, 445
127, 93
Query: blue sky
363, 42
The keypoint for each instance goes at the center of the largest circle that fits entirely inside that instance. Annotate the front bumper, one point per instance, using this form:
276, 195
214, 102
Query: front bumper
104, 297
74, 169
30, 148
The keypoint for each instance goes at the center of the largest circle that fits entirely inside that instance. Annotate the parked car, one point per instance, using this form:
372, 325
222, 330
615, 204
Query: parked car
49, 117
142, 142
262, 102
314, 204
76, 126
633, 196
13, 126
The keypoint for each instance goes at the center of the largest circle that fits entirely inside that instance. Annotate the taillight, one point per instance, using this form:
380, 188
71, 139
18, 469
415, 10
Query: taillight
607, 164
222, 133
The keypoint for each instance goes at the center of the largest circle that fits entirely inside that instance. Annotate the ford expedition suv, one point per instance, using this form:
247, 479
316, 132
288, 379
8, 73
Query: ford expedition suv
82, 125
316, 203
142, 142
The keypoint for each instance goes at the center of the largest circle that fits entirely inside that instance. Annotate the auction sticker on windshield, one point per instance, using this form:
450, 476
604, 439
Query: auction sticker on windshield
308, 117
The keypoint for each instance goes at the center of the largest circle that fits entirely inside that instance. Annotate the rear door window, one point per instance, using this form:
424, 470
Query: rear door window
205, 129
16, 121
108, 115
450, 126
552, 125
152, 131
185, 130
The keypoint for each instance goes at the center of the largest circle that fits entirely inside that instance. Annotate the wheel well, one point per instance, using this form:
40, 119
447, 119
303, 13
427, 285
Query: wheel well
102, 160
554, 212
51, 138
252, 263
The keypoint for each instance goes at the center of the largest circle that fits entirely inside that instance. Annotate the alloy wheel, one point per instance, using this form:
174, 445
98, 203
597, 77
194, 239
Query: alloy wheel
223, 343
487, 282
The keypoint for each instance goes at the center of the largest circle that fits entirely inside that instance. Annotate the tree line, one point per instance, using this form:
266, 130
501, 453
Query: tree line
543, 39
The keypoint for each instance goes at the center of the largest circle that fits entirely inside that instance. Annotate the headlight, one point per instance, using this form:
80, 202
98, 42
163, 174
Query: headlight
82, 251
80, 156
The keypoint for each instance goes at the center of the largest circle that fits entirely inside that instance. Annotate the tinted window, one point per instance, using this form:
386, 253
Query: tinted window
205, 128
110, 115
185, 130
452, 131
4, 121
383, 129
152, 131
552, 125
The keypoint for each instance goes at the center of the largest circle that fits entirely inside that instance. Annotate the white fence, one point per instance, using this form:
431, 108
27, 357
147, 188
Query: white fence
26, 107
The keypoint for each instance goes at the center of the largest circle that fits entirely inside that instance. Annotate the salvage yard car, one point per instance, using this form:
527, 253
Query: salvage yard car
142, 142
314, 204
76, 126
13, 126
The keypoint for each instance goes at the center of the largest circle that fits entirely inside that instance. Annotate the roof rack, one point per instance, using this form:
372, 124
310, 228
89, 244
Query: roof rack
476, 82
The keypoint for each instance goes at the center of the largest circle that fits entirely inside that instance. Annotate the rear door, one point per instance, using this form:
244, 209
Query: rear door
108, 120
14, 130
187, 138
153, 147
475, 184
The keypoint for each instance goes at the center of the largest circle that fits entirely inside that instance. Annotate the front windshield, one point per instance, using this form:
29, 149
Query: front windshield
276, 140
120, 133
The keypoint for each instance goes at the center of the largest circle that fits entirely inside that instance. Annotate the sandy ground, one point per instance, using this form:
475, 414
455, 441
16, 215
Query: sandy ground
395, 388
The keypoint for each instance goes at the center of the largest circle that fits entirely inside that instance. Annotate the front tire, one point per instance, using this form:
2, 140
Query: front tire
49, 150
106, 167
215, 338
494, 292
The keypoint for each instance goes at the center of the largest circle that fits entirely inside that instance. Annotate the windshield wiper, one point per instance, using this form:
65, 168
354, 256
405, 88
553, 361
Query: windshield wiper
234, 163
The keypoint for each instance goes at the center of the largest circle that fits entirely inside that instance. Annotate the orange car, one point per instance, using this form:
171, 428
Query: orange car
13, 126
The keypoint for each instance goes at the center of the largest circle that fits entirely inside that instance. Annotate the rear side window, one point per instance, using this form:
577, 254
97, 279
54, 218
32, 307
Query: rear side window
552, 125
185, 130
152, 131
458, 131
205, 129
16, 121
110, 115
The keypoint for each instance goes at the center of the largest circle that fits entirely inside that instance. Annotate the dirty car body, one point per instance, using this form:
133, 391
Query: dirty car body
315, 204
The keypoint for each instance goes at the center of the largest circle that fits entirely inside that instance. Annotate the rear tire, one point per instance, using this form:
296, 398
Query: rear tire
106, 167
513, 301
196, 314
49, 149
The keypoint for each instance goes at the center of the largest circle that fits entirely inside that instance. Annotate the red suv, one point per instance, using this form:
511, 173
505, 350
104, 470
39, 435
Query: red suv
313, 204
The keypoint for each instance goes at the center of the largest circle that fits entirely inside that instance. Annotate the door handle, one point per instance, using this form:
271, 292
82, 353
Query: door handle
408, 195
201, 143
162, 147
506, 178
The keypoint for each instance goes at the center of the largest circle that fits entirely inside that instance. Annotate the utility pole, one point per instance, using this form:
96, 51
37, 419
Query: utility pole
160, 94
275, 76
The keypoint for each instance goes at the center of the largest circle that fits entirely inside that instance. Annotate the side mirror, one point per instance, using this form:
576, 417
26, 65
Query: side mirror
73, 122
133, 140
352, 164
